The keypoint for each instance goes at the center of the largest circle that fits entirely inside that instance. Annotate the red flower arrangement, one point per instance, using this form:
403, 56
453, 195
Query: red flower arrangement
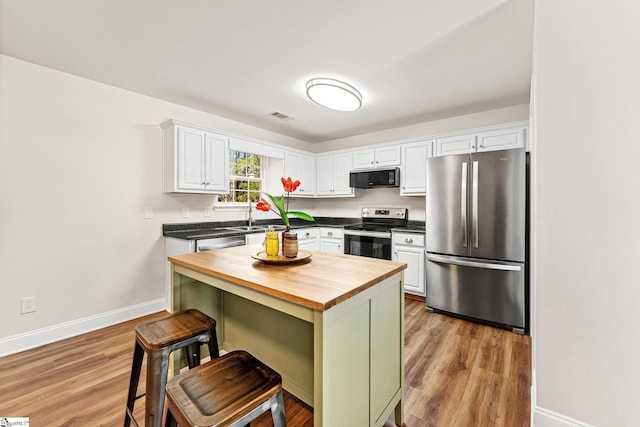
283, 210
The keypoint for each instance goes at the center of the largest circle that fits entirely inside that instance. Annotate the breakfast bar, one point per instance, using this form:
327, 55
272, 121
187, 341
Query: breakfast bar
330, 324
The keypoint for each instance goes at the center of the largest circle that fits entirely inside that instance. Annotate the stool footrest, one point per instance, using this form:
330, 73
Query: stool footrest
130, 415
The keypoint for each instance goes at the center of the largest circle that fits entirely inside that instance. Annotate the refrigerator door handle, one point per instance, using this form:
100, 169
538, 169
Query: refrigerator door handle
468, 263
463, 204
474, 204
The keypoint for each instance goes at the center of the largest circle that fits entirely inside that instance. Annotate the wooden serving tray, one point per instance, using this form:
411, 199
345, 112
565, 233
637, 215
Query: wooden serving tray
281, 259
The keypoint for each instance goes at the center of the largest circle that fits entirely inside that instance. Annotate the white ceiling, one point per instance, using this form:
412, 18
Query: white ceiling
412, 60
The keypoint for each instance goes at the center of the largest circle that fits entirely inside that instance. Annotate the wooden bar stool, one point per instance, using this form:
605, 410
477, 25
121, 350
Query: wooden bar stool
158, 338
229, 391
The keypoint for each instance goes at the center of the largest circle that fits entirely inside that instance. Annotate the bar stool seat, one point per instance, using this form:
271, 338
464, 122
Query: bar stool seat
157, 338
231, 390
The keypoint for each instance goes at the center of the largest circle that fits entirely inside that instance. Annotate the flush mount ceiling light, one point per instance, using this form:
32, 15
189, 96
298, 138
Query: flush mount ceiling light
334, 94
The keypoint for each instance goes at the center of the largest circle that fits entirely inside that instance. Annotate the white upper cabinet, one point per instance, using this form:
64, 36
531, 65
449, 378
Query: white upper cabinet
195, 160
505, 138
456, 144
333, 175
302, 168
413, 172
377, 157
502, 139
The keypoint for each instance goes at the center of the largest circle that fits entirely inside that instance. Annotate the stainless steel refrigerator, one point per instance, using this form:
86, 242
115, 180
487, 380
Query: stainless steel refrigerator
475, 222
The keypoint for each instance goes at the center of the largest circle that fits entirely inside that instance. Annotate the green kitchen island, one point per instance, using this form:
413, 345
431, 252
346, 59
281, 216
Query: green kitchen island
332, 325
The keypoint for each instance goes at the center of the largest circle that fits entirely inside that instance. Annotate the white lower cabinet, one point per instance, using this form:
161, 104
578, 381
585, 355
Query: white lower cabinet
331, 240
409, 248
308, 238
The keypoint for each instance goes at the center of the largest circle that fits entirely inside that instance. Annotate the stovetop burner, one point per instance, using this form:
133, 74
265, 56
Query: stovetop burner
381, 219
369, 227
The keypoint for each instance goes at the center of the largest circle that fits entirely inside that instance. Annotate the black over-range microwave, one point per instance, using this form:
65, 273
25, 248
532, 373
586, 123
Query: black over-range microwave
375, 178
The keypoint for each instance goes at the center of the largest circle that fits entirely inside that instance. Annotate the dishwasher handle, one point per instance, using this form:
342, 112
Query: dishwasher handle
209, 246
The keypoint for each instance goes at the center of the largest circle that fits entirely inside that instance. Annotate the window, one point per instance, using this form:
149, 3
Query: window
245, 178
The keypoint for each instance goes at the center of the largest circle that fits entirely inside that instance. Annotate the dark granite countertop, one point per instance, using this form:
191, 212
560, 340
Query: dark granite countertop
412, 227
215, 229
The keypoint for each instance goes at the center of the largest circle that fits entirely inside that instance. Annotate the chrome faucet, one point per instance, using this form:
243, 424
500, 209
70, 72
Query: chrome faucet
250, 212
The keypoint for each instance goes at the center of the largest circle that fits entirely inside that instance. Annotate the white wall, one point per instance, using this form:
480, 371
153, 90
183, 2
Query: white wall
587, 286
80, 161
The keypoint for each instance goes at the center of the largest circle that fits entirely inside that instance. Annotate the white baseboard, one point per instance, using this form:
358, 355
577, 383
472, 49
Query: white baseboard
26, 341
541, 417
546, 418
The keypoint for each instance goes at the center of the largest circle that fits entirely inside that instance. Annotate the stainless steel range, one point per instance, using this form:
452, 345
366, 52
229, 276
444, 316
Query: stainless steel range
372, 238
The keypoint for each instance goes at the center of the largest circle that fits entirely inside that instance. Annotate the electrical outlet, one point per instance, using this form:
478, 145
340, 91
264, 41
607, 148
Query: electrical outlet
28, 305
185, 212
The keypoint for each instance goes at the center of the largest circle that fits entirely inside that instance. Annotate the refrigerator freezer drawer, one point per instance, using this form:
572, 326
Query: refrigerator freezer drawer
493, 291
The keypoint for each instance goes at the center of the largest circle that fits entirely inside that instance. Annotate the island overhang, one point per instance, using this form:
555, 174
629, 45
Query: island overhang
325, 280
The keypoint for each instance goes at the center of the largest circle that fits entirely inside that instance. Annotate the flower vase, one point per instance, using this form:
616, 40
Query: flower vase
289, 243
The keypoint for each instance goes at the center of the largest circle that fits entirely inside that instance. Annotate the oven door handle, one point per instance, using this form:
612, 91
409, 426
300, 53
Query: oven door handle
379, 234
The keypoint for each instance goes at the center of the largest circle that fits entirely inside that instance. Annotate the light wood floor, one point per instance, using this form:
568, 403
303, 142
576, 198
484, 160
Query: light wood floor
456, 374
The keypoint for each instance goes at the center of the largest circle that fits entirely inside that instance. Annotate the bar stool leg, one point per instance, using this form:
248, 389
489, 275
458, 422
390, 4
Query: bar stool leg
171, 421
213, 344
193, 355
136, 367
157, 372
277, 411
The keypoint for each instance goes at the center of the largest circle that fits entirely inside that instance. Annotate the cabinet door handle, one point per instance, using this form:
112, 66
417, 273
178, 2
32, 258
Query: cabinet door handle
330, 233
407, 240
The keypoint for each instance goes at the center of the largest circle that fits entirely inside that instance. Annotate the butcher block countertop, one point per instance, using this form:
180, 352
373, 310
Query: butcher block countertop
326, 280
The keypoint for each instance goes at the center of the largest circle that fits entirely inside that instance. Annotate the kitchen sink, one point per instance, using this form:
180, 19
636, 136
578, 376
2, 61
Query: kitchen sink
247, 228
255, 228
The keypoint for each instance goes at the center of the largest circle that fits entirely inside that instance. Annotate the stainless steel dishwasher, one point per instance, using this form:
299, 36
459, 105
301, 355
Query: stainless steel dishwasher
196, 243
219, 243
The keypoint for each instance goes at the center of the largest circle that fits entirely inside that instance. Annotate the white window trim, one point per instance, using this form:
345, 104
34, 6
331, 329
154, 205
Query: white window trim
231, 206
